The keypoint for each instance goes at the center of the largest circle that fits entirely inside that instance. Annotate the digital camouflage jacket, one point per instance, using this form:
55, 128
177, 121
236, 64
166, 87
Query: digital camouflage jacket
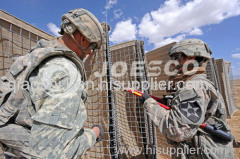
42, 105
196, 102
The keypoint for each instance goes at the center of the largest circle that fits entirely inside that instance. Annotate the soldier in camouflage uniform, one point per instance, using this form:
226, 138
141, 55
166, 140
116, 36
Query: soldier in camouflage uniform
45, 118
197, 102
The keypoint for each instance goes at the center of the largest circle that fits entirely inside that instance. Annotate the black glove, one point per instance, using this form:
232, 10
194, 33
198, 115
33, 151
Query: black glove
101, 132
144, 97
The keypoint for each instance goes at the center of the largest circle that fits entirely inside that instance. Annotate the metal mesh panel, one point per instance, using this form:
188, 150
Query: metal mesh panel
161, 55
233, 91
99, 112
152, 127
143, 78
128, 131
220, 73
211, 73
217, 74
219, 65
226, 85
15, 41
133, 133
230, 88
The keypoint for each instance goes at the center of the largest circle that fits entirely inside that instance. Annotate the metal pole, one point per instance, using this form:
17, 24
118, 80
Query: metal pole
154, 133
20, 42
218, 78
2, 52
29, 38
228, 91
112, 105
214, 74
9, 45
147, 121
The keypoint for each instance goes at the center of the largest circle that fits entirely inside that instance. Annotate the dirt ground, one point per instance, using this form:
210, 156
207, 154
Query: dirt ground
235, 127
234, 122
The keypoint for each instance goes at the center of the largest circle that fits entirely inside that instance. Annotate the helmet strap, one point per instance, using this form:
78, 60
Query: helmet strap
179, 61
91, 47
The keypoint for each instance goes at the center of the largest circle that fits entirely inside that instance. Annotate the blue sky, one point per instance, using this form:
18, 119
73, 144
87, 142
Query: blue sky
157, 22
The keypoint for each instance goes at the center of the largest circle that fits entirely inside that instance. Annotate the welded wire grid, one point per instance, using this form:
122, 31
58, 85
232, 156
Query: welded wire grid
233, 90
217, 75
99, 112
211, 73
230, 87
155, 76
133, 133
141, 56
222, 79
227, 82
127, 128
223, 69
112, 103
15, 41
153, 131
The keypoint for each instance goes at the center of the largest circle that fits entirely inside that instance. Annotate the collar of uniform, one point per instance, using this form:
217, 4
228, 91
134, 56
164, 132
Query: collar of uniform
189, 74
52, 43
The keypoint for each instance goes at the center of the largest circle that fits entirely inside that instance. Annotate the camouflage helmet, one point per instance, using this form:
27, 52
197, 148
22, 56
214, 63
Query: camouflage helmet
86, 23
191, 47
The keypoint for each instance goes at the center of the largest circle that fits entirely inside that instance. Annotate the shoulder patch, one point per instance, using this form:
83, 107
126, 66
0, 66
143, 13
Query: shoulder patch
191, 110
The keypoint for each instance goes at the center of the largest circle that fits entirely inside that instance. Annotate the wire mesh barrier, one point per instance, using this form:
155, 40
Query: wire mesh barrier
98, 109
158, 58
129, 133
132, 124
158, 77
233, 90
15, 41
212, 73
16, 38
225, 80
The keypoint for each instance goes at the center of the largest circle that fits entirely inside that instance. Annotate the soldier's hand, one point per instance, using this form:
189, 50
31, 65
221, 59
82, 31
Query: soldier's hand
144, 97
98, 129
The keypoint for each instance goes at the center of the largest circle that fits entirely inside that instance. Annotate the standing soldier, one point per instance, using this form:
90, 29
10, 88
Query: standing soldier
197, 102
45, 118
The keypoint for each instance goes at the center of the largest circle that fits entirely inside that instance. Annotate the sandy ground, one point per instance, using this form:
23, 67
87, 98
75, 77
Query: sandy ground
235, 122
235, 127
